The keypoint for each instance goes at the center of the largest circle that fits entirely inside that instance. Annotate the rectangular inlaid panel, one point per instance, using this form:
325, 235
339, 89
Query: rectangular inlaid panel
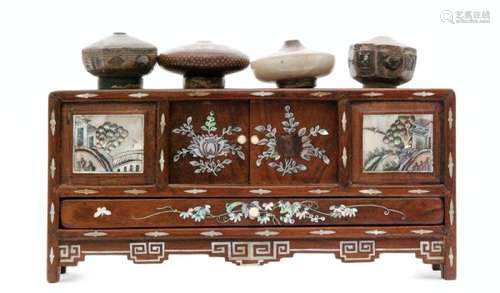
108, 143
208, 142
248, 212
293, 142
397, 143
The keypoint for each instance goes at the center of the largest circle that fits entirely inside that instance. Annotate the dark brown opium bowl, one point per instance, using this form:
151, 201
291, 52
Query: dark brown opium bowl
119, 61
382, 63
203, 64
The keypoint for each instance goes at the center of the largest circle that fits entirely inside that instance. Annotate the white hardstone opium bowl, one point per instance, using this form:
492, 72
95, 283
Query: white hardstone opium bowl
293, 66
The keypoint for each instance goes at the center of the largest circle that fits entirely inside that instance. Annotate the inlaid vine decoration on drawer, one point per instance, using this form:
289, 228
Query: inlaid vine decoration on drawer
209, 150
280, 212
283, 163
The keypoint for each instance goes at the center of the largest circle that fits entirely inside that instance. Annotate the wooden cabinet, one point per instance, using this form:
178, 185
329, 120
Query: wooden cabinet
252, 175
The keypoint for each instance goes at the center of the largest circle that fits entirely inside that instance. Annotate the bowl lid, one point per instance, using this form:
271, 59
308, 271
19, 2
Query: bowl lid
203, 57
293, 47
120, 40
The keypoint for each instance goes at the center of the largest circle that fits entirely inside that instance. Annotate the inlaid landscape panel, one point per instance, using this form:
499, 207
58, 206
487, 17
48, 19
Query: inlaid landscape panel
398, 143
108, 143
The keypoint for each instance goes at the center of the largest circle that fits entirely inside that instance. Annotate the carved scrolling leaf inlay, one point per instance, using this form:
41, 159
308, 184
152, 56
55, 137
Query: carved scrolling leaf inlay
287, 165
280, 212
209, 151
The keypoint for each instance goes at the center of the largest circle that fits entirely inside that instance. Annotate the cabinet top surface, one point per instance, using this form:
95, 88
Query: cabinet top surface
258, 93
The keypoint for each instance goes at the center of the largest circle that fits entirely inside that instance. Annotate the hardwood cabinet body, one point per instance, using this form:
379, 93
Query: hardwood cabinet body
252, 175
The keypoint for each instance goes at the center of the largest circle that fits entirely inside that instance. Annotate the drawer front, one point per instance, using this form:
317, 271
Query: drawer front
132, 213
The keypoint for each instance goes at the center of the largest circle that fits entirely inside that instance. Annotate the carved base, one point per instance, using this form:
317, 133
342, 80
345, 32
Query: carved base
258, 252
118, 83
297, 83
203, 82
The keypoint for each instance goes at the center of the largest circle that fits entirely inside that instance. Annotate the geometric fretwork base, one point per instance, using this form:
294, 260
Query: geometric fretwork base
431, 251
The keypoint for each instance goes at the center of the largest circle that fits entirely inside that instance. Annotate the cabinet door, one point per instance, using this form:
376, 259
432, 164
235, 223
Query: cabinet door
108, 144
208, 142
397, 142
293, 142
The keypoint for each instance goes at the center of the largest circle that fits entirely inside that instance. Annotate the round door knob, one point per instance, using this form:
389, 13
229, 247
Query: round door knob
254, 139
253, 213
241, 139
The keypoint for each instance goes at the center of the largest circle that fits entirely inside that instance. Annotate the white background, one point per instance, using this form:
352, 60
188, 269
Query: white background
40, 45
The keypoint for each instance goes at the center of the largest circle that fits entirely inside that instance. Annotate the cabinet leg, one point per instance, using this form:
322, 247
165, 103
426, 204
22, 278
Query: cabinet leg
449, 267
436, 267
63, 270
53, 270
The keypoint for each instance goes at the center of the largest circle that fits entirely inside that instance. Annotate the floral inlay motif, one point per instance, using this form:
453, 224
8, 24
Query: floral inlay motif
285, 164
208, 150
280, 212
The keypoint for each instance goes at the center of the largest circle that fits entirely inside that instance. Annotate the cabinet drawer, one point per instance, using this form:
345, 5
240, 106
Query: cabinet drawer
132, 213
